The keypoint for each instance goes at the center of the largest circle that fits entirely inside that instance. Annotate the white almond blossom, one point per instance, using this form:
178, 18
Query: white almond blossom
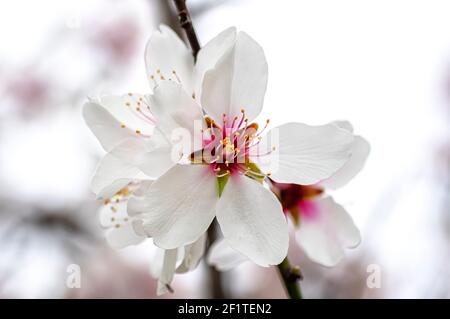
323, 227
222, 169
224, 174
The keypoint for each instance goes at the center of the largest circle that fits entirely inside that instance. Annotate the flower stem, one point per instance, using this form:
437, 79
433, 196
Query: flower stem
291, 277
186, 23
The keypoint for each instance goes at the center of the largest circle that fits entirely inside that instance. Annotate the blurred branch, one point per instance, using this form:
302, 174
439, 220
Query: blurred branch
215, 276
291, 277
185, 21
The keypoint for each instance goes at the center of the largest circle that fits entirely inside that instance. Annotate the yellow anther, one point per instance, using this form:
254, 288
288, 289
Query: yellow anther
113, 209
138, 109
229, 147
122, 125
128, 104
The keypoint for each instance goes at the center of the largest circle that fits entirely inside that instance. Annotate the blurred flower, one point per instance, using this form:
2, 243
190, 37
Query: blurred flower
30, 92
117, 39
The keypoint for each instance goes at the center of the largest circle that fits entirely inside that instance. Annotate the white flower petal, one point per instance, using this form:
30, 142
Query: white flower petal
252, 221
143, 187
179, 206
223, 257
360, 151
153, 156
210, 53
122, 236
346, 125
111, 213
303, 154
167, 272
238, 81
112, 175
120, 232
131, 110
105, 126
192, 255
165, 53
156, 262
177, 114
325, 234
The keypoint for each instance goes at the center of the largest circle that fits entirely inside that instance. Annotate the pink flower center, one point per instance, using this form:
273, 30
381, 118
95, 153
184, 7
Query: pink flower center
227, 146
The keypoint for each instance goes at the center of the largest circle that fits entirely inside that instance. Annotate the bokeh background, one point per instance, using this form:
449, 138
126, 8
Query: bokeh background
383, 65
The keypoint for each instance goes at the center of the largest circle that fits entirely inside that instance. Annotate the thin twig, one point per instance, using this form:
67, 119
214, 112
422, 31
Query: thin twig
185, 21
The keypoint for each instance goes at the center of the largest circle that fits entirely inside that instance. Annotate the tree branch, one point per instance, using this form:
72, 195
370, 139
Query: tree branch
185, 21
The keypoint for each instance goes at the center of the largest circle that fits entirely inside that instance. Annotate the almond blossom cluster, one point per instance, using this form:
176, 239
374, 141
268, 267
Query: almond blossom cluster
191, 151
